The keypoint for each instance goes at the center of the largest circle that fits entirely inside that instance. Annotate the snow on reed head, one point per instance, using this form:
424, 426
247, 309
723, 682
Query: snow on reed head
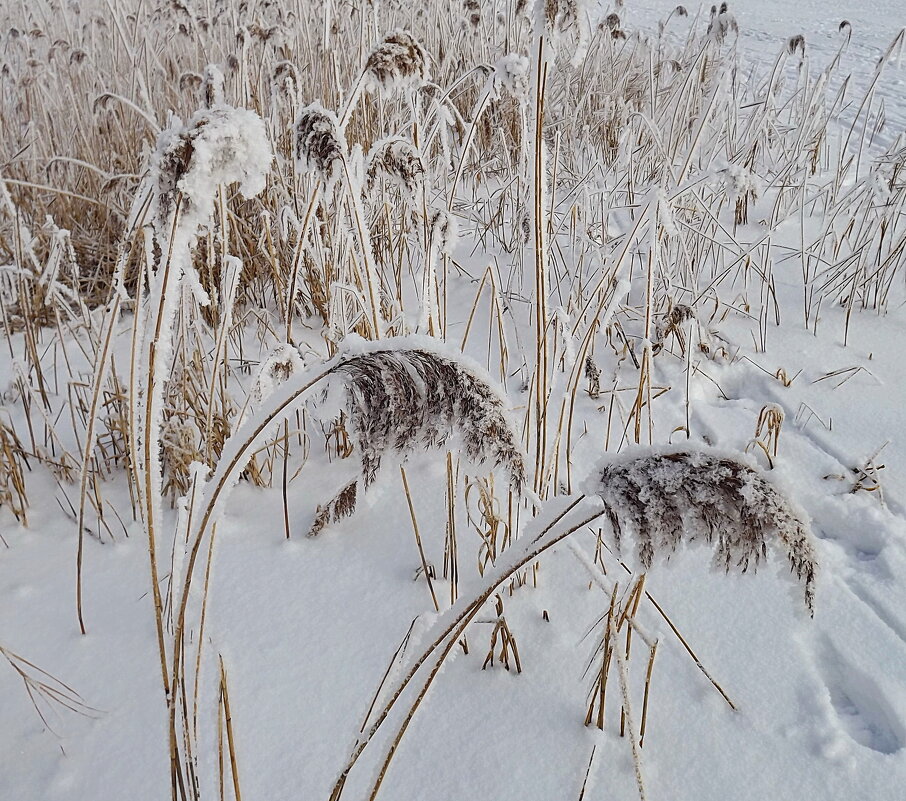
281, 364
510, 76
662, 496
213, 86
400, 162
561, 16
343, 504
721, 23
414, 394
444, 229
319, 142
219, 146
398, 63
285, 80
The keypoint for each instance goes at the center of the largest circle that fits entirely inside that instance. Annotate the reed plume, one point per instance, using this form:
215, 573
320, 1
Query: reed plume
663, 497
320, 146
399, 162
401, 398
399, 62
444, 230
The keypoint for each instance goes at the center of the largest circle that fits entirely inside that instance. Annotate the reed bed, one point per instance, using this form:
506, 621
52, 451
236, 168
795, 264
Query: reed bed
210, 213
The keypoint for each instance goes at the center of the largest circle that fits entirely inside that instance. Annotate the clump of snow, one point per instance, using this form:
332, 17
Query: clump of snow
219, 146
510, 76
228, 145
738, 181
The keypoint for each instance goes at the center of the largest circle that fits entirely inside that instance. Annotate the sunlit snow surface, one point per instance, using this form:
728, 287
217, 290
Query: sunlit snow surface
308, 627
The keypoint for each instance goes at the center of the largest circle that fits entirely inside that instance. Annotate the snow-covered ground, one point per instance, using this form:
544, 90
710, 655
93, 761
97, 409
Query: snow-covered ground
766, 27
307, 628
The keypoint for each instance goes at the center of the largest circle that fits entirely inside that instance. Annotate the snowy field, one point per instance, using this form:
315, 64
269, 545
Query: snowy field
452, 401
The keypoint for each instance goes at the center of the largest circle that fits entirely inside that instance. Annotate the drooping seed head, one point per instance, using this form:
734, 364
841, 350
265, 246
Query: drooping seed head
444, 229
668, 496
398, 63
511, 76
219, 146
398, 161
402, 398
796, 43
319, 142
190, 81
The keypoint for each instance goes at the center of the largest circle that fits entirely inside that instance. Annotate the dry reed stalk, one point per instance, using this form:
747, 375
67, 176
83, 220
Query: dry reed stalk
228, 723
648, 671
627, 711
599, 687
767, 431
451, 548
591, 760
99, 379
13, 492
427, 570
680, 637
502, 632
540, 253
45, 687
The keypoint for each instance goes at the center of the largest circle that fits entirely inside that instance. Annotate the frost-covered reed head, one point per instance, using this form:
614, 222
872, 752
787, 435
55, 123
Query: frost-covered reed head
562, 16
510, 76
663, 497
472, 9
795, 43
444, 229
214, 82
400, 398
190, 81
403, 399
398, 63
320, 146
398, 161
671, 323
219, 146
721, 24
285, 80
281, 364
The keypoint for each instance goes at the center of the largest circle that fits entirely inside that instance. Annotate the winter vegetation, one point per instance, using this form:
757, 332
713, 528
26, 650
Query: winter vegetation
374, 375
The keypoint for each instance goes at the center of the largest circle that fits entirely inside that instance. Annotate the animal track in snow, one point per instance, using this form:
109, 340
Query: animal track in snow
860, 706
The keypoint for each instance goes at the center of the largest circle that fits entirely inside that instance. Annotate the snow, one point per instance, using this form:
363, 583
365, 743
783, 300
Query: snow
307, 628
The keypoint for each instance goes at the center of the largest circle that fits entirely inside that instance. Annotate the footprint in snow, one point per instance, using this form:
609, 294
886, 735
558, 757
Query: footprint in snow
860, 706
